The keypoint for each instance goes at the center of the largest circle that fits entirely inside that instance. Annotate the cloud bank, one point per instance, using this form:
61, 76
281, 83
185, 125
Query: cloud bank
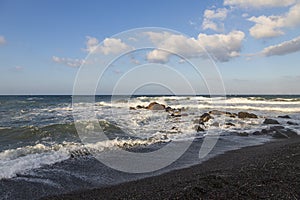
222, 47
283, 48
272, 26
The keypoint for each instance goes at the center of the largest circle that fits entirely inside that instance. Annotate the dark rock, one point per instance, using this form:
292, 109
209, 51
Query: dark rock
265, 131
230, 124
233, 115
132, 108
284, 133
243, 134
199, 128
279, 135
156, 106
292, 123
258, 133
275, 128
176, 115
140, 107
285, 117
291, 133
205, 117
243, 115
270, 121
169, 109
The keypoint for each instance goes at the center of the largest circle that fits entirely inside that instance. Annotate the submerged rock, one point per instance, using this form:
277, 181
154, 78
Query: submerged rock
243, 134
258, 133
264, 131
275, 128
292, 123
284, 117
243, 115
271, 121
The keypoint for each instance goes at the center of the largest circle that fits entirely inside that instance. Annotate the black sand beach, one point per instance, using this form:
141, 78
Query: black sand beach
269, 171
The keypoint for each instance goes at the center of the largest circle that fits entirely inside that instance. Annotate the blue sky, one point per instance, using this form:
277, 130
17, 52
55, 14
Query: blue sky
43, 43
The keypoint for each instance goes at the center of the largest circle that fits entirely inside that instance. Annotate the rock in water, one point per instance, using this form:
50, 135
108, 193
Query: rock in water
205, 118
258, 133
139, 107
199, 128
243, 134
284, 117
243, 115
275, 128
292, 123
156, 106
271, 121
229, 124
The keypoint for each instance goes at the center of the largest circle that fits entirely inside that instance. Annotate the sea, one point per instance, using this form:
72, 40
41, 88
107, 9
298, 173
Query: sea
42, 152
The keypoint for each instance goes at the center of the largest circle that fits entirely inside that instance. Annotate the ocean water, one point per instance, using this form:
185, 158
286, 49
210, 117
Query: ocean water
42, 154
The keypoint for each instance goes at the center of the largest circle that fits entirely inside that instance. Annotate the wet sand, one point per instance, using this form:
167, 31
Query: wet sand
269, 171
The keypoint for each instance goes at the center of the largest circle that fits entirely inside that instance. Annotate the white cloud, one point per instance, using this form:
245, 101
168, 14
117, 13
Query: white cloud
109, 46
266, 27
209, 24
271, 26
220, 13
68, 61
158, 56
259, 3
2, 40
113, 46
91, 43
283, 48
213, 19
223, 47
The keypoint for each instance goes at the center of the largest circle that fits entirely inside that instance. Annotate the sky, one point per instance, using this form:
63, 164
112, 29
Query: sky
254, 45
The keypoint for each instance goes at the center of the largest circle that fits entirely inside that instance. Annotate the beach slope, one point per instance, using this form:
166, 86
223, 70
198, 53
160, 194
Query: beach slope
269, 171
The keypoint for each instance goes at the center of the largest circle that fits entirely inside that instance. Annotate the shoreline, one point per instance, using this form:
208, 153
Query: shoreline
270, 170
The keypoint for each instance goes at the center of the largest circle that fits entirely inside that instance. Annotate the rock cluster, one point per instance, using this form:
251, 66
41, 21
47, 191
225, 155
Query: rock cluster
201, 121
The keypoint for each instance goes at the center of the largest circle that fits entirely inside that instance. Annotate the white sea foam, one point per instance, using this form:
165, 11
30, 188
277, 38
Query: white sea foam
20, 160
9, 168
